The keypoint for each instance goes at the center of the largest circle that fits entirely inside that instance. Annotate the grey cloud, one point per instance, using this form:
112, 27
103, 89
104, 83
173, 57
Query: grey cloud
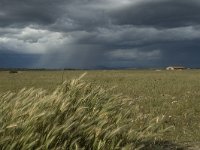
159, 13
10, 59
133, 36
94, 33
30, 40
60, 15
22, 13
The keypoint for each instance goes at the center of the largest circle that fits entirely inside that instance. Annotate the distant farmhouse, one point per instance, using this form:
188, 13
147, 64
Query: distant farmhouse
176, 68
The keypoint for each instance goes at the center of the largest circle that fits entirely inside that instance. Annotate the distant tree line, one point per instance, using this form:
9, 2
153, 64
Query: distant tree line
35, 69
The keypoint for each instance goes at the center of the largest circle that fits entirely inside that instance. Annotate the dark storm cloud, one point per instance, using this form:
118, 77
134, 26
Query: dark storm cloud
159, 13
100, 33
10, 59
61, 15
25, 12
86, 14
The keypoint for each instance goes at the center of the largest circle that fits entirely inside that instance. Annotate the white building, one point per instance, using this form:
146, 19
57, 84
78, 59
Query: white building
175, 68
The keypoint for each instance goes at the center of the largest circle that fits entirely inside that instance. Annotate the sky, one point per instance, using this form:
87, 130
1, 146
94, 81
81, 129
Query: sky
92, 34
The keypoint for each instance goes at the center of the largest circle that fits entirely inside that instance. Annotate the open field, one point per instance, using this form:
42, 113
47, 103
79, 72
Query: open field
172, 94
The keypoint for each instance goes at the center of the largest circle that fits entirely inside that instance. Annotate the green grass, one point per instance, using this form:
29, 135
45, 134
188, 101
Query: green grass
172, 94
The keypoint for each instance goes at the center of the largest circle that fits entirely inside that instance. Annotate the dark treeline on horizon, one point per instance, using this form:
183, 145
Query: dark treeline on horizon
74, 69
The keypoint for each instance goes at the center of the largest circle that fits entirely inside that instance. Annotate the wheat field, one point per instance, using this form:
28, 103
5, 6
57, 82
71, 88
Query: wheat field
101, 110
